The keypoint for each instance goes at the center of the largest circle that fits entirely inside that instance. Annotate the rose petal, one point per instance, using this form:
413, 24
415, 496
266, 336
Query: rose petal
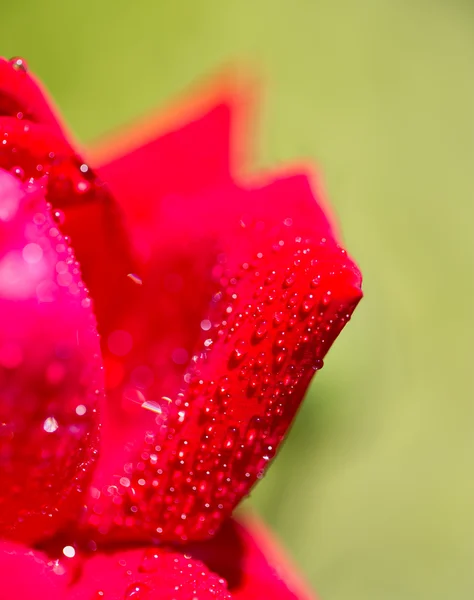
242, 559
183, 152
27, 573
85, 210
21, 95
193, 146
246, 554
263, 296
145, 574
50, 369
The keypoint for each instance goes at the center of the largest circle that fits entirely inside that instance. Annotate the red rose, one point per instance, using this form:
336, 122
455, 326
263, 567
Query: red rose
216, 297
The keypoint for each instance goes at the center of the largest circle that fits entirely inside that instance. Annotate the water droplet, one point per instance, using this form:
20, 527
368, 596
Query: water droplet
150, 562
254, 430
238, 353
135, 278
206, 325
280, 359
19, 64
18, 172
50, 425
279, 342
137, 591
260, 331
277, 319
59, 217
69, 551
307, 304
327, 298
82, 187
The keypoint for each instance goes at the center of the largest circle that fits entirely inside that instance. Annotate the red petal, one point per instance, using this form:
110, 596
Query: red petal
265, 290
194, 145
250, 559
22, 95
50, 369
185, 151
29, 574
242, 561
146, 574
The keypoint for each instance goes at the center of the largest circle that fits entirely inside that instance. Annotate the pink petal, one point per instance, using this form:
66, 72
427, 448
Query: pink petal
29, 574
33, 144
50, 369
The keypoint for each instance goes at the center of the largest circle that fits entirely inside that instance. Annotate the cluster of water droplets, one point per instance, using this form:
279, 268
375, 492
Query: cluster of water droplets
270, 323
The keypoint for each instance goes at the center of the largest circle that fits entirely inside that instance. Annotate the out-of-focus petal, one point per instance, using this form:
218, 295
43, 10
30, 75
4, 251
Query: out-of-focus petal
29, 574
50, 369
264, 290
196, 144
247, 555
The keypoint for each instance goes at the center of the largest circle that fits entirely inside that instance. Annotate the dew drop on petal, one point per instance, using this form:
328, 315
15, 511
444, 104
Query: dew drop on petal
69, 551
137, 591
59, 217
19, 64
135, 278
18, 172
206, 325
50, 425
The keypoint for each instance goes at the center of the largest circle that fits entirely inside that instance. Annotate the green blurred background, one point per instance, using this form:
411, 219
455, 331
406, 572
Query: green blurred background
373, 492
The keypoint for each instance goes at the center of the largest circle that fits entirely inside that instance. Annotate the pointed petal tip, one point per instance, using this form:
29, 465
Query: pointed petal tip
21, 92
229, 95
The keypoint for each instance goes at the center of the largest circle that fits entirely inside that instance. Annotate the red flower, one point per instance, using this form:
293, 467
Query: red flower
216, 299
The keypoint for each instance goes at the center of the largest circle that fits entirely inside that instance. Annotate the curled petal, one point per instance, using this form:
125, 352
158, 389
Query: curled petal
50, 369
263, 295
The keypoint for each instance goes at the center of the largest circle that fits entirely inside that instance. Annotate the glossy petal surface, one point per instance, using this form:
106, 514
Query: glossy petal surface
146, 574
233, 316
50, 369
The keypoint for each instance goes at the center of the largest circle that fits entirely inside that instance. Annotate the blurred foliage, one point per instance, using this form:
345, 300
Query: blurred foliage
373, 492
